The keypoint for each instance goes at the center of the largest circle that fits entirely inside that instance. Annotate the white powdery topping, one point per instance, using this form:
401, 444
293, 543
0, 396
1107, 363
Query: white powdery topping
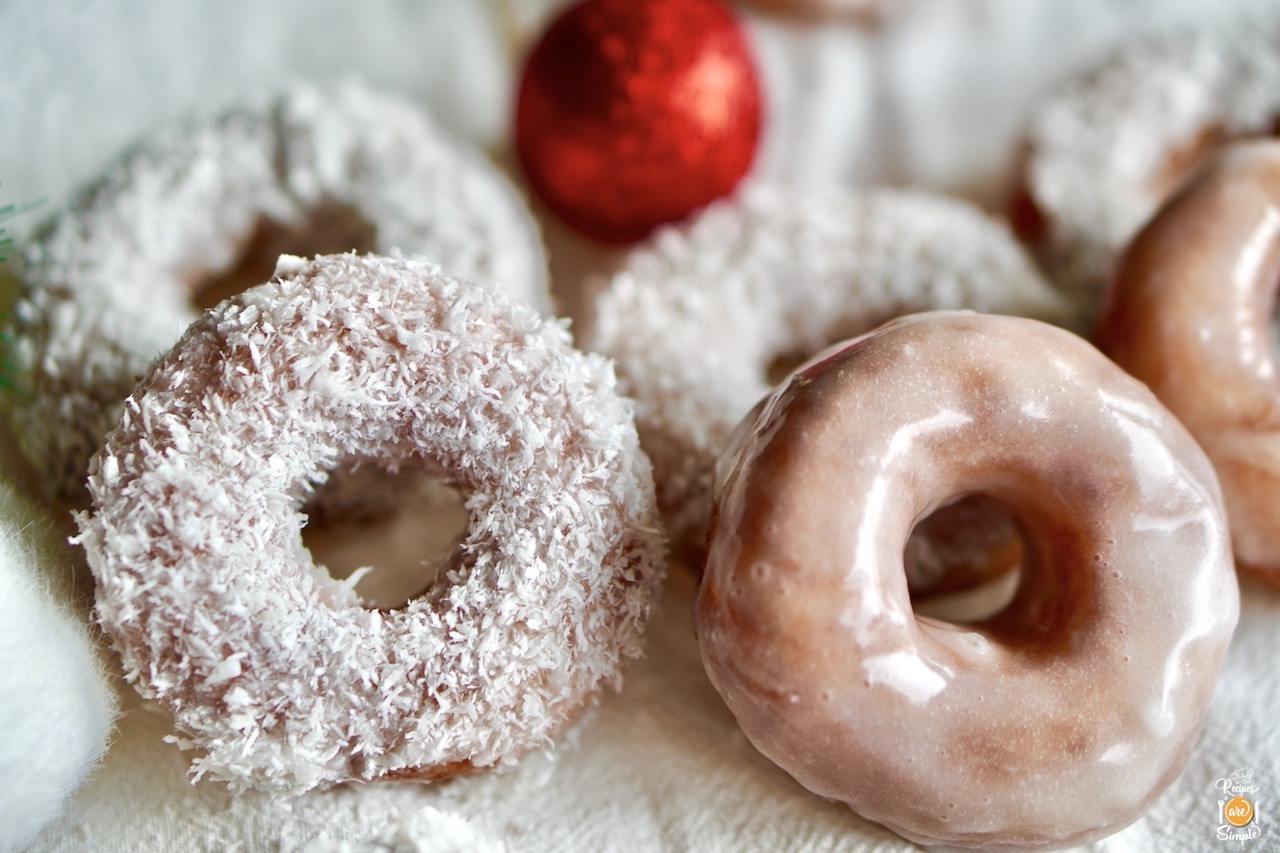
271, 666
1099, 148
108, 283
698, 314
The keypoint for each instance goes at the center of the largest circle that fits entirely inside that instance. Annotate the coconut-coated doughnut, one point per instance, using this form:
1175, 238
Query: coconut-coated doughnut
271, 667
1109, 145
696, 317
1059, 719
109, 283
1190, 314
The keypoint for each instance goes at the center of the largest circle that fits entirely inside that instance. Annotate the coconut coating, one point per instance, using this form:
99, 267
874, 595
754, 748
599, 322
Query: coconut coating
109, 283
1105, 149
697, 316
271, 667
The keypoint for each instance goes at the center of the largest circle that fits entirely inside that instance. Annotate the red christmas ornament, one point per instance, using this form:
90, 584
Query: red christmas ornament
633, 113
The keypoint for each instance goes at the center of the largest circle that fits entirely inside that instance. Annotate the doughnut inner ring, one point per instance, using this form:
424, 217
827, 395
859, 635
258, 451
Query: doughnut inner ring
327, 227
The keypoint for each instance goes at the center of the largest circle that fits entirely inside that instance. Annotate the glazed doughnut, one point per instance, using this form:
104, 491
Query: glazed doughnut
1190, 314
1103, 151
696, 316
1059, 719
110, 283
270, 666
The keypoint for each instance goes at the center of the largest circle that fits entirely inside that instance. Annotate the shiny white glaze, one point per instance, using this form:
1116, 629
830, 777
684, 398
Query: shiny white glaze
1060, 719
1190, 314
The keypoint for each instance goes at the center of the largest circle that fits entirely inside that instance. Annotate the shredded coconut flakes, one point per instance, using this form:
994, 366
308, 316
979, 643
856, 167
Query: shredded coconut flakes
696, 315
1099, 147
270, 666
108, 283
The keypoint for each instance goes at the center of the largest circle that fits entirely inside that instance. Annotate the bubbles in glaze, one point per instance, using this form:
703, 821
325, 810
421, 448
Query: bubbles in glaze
1053, 722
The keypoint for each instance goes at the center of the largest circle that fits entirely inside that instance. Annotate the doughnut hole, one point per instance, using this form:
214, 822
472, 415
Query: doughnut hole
785, 362
1181, 162
402, 552
964, 554
1184, 160
1034, 608
965, 560
1031, 224
328, 228
361, 492
1026, 219
1059, 585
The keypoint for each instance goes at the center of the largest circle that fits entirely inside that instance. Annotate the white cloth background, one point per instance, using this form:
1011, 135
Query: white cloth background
936, 99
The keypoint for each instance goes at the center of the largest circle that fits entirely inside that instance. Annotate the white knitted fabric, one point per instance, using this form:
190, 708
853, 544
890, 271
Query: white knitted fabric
660, 766
1099, 148
270, 666
56, 708
696, 315
108, 283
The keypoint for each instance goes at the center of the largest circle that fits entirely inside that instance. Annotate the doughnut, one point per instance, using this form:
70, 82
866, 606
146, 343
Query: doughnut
1057, 720
866, 12
110, 282
696, 317
1190, 314
1108, 146
271, 667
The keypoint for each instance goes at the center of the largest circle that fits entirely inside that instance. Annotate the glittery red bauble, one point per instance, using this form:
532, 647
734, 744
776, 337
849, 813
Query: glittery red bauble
637, 112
